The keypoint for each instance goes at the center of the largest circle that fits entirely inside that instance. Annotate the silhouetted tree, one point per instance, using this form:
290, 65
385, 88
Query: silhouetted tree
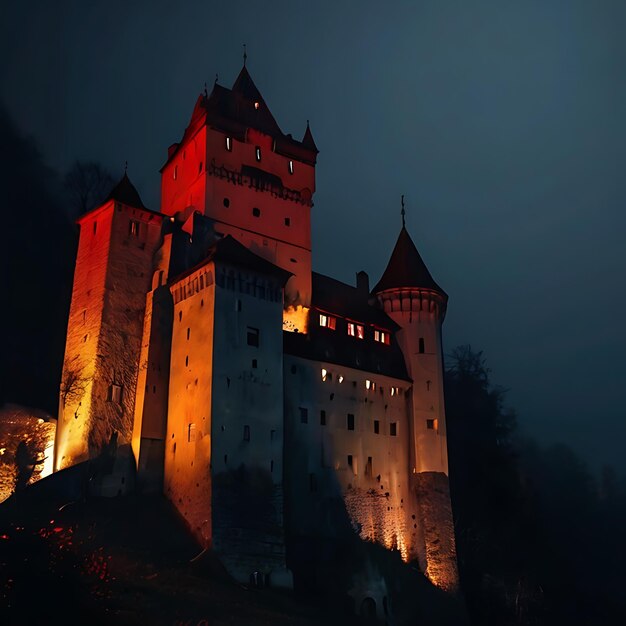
87, 184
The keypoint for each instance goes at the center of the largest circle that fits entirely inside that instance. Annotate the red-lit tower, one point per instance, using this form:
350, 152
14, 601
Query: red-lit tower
235, 166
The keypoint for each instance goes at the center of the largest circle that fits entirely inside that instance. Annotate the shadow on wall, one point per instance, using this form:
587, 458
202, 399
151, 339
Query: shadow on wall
378, 583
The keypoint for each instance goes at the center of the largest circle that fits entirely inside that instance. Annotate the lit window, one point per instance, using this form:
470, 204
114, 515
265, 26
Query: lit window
191, 432
340, 378
327, 321
291, 167
351, 329
256, 105
257, 152
393, 429
369, 384
381, 336
304, 415
360, 333
229, 144
350, 421
395, 391
324, 374
133, 228
355, 330
253, 337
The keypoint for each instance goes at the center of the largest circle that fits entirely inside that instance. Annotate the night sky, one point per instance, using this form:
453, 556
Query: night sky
502, 122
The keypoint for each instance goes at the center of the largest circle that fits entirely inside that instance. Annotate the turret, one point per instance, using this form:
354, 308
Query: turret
410, 296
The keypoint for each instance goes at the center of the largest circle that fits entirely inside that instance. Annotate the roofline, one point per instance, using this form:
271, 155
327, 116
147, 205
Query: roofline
106, 204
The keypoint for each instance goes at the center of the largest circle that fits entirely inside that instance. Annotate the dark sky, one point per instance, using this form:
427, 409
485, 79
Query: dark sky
503, 122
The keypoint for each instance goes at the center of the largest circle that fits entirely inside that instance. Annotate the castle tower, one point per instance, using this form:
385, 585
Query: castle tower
409, 295
113, 273
235, 166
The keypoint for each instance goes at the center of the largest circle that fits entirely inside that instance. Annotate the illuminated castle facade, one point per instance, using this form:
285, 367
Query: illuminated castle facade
274, 406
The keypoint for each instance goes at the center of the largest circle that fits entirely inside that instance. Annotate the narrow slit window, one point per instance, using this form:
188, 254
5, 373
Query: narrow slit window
191, 433
368, 467
253, 337
257, 153
291, 167
133, 228
304, 415
421, 345
322, 418
376, 427
350, 421
229, 144
393, 429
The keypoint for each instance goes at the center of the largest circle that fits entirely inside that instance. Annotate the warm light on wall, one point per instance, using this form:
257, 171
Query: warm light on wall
295, 319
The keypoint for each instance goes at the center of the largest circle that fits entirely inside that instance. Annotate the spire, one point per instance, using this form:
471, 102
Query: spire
403, 212
125, 192
245, 55
307, 140
406, 268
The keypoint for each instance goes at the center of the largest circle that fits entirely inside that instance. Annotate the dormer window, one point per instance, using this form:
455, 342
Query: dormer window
291, 167
381, 336
327, 321
257, 152
356, 330
229, 144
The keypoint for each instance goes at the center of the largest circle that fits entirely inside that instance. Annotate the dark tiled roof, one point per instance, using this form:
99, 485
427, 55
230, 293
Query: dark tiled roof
307, 140
231, 252
406, 268
126, 193
335, 346
233, 111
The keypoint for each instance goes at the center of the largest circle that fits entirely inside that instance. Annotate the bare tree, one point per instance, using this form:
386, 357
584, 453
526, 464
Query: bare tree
73, 382
87, 183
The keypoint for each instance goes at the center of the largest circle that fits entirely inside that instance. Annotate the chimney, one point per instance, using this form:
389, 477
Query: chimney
363, 283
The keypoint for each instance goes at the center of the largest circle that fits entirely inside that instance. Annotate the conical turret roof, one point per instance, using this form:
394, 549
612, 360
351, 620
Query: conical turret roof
126, 193
406, 268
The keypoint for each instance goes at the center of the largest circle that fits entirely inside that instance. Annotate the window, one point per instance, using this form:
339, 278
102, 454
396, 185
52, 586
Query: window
368, 466
395, 391
238, 305
191, 432
186, 360
356, 330
322, 418
253, 337
188, 333
350, 460
246, 433
133, 228
352, 464
256, 212
175, 172
287, 221
324, 374
340, 378
370, 384
421, 345
304, 415
256, 105
350, 421
255, 364
327, 321
229, 144
226, 202
393, 429
428, 383
431, 424
95, 227
180, 316
115, 394
376, 427
382, 336
257, 152
291, 167
200, 167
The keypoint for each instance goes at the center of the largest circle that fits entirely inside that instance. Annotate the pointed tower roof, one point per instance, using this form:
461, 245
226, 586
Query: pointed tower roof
406, 268
126, 193
307, 140
245, 86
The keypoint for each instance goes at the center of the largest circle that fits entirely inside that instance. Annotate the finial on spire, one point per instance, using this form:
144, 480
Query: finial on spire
206, 93
125, 168
216, 78
245, 55
403, 212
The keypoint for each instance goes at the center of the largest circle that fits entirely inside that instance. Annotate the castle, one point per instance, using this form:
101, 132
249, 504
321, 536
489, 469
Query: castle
271, 404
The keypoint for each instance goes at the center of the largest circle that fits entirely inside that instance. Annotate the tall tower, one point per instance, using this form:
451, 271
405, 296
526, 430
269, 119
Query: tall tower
409, 295
235, 166
113, 273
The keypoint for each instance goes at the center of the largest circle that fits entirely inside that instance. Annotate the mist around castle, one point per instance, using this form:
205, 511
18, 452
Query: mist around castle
197, 427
